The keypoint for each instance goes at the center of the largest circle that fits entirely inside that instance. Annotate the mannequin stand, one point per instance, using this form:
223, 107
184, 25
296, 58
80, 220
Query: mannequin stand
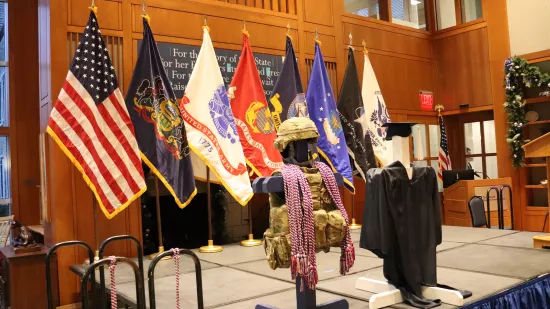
385, 293
305, 299
388, 295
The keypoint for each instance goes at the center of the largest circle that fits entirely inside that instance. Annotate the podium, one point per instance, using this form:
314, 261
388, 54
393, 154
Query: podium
456, 211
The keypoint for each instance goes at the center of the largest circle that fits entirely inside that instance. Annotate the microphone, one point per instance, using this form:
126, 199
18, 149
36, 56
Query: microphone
476, 173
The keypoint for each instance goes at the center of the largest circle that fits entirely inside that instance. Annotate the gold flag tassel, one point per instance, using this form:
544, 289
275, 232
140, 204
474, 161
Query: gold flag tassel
350, 41
317, 37
365, 48
93, 7
288, 31
206, 25
144, 12
244, 29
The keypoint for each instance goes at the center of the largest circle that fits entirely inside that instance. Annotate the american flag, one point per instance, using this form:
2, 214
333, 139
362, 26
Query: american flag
444, 159
91, 124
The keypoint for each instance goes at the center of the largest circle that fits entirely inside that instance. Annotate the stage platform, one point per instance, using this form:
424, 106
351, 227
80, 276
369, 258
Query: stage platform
480, 260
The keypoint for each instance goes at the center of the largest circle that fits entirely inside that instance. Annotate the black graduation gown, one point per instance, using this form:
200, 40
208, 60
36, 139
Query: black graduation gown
402, 225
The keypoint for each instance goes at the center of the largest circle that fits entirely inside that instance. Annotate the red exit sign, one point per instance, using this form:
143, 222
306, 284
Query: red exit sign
426, 100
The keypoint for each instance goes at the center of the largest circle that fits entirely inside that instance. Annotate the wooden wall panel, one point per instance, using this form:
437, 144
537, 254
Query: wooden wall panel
463, 70
319, 12
110, 13
24, 98
331, 71
222, 29
400, 79
399, 42
282, 6
328, 44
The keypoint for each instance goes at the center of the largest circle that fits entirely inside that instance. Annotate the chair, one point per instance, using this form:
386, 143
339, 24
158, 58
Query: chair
198, 277
477, 211
5, 229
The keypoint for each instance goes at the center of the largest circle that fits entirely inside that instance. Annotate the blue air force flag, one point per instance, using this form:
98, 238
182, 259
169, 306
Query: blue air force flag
288, 99
322, 110
159, 127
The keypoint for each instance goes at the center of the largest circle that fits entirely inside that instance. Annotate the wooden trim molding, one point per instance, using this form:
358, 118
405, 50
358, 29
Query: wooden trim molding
384, 25
539, 56
468, 110
452, 31
391, 54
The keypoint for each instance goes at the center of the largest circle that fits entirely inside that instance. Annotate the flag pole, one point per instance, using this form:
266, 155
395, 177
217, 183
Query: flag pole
353, 225
250, 242
211, 248
439, 108
96, 236
159, 223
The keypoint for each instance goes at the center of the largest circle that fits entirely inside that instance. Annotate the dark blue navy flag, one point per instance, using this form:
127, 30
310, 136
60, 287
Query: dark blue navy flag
288, 99
159, 127
322, 110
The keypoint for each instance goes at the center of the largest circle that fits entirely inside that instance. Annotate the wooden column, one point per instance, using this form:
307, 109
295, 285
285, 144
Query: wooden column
24, 112
499, 50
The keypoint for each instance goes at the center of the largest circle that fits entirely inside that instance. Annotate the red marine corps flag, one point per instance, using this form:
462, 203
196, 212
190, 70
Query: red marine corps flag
252, 115
91, 124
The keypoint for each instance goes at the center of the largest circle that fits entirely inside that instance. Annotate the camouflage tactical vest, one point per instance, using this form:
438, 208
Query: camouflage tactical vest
330, 226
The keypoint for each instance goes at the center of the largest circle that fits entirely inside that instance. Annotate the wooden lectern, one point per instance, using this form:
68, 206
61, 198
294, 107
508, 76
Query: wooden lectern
540, 148
456, 197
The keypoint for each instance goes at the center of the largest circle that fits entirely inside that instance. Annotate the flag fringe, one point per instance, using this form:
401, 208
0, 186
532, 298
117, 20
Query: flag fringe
243, 202
89, 182
181, 204
350, 186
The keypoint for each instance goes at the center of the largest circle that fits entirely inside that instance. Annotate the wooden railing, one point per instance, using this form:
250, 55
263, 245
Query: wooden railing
281, 6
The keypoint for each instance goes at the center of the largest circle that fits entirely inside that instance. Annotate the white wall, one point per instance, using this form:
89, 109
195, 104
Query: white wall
446, 14
529, 24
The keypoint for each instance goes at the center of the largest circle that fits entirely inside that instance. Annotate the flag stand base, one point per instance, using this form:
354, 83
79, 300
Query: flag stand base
353, 225
251, 242
210, 248
161, 250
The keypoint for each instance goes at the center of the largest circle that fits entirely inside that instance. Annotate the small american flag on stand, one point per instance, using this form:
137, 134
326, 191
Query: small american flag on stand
91, 124
444, 159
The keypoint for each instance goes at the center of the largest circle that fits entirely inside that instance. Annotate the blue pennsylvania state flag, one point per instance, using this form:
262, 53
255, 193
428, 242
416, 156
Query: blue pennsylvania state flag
158, 124
288, 99
322, 110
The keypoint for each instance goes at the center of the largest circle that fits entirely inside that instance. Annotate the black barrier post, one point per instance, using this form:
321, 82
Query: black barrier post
151, 276
511, 203
489, 206
102, 270
49, 271
140, 294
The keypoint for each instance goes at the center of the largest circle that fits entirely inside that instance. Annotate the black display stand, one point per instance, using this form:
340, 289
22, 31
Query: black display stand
305, 299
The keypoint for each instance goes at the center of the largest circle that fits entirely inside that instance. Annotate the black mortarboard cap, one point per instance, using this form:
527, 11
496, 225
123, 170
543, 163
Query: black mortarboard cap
403, 129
